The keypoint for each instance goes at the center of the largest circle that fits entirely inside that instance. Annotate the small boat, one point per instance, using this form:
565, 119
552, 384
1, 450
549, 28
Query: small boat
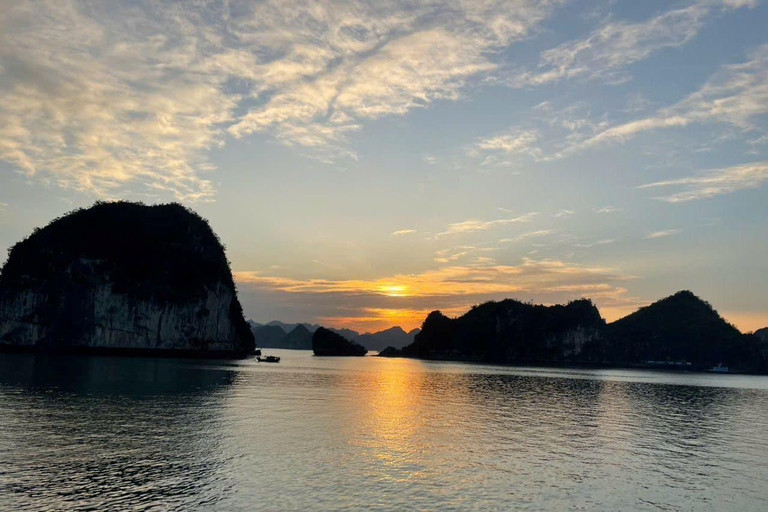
257, 352
268, 359
719, 369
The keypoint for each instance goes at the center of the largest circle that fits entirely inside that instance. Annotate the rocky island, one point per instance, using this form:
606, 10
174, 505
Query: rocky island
123, 277
680, 331
327, 343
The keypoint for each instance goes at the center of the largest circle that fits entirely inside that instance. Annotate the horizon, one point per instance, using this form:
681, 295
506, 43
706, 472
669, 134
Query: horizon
369, 164
409, 329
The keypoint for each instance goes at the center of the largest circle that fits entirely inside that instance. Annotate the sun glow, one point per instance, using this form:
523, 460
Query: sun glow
395, 291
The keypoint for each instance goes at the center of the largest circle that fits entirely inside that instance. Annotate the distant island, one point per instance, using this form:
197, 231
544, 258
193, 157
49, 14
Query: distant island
123, 277
328, 343
680, 331
276, 334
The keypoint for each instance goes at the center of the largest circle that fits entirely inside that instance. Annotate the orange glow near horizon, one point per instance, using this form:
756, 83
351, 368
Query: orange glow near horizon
454, 289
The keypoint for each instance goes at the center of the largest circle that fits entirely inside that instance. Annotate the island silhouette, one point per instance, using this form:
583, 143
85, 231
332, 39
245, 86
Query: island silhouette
125, 277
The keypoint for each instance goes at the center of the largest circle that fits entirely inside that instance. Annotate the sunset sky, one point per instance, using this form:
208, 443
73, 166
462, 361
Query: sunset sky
368, 162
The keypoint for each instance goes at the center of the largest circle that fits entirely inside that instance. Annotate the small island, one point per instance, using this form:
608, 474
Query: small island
123, 278
327, 343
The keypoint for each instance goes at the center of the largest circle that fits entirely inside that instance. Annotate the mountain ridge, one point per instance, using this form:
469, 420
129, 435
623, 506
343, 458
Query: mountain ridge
681, 330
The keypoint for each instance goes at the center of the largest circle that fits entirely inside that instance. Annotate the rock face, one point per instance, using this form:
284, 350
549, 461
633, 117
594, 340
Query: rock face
512, 331
327, 343
122, 277
762, 334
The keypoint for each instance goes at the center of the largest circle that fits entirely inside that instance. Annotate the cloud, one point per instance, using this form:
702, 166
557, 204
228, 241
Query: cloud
597, 243
406, 298
472, 225
532, 234
403, 232
530, 275
615, 45
102, 99
663, 233
609, 209
737, 95
715, 182
564, 214
374, 59
516, 142
458, 252
94, 102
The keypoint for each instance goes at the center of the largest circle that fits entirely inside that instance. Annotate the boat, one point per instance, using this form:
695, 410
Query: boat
256, 352
268, 359
719, 369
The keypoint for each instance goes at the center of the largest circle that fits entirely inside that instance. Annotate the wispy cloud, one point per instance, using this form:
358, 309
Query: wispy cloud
403, 232
530, 275
597, 243
736, 95
469, 226
93, 102
715, 182
515, 142
389, 300
663, 233
460, 251
531, 234
100, 99
608, 50
609, 209
375, 59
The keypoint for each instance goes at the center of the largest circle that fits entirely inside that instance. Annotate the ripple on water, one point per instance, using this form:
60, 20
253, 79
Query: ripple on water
310, 433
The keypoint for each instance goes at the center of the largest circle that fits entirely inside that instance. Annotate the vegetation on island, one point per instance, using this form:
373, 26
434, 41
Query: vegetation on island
163, 254
681, 330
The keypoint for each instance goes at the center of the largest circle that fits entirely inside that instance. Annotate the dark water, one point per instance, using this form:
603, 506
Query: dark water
313, 434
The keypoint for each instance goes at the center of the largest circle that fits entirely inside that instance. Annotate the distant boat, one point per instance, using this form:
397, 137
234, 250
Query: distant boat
268, 359
719, 369
257, 352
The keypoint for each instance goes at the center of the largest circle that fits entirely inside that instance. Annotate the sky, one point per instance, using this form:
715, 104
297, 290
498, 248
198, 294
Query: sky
367, 162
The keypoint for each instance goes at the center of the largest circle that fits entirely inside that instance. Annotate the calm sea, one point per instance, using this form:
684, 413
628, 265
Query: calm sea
316, 434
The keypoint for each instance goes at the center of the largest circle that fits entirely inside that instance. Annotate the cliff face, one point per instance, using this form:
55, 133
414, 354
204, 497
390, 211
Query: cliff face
122, 276
512, 331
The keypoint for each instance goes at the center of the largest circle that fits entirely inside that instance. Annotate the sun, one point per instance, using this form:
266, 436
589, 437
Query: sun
395, 291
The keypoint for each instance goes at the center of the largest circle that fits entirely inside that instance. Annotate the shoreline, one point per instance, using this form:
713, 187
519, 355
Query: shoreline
124, 352
570, 364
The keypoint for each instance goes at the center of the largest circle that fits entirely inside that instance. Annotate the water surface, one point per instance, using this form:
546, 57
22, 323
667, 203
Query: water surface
315, 434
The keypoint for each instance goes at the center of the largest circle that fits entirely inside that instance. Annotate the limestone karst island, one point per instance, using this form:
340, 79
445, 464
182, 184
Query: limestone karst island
129, 278
123, 277
384, 255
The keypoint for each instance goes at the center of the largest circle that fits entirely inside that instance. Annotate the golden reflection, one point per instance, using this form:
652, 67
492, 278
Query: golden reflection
394, 421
